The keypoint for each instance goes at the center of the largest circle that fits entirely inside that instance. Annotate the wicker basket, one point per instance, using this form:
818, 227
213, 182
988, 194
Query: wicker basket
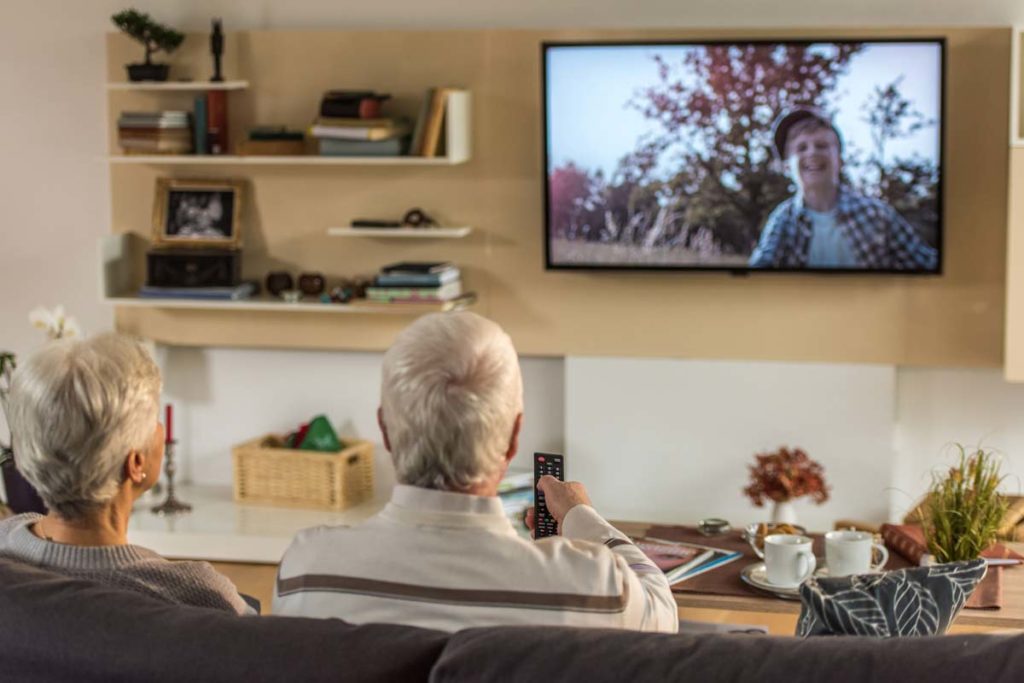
295, 478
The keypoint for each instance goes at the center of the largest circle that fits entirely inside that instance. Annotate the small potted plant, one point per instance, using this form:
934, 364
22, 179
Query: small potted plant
963, 510
154, 37
782, 477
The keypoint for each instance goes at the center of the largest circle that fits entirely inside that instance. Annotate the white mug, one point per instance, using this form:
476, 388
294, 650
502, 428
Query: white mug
849, 552
788, 559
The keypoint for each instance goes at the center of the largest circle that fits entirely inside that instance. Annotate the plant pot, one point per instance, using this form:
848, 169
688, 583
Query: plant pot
147, 72
784, 512
21, 497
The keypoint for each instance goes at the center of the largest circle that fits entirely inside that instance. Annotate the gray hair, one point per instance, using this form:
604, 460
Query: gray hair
450, 393
77, 408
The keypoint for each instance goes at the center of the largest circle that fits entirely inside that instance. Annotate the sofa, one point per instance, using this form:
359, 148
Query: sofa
61, 629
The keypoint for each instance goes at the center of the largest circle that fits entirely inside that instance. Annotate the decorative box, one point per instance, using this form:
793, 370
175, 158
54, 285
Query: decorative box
193, 267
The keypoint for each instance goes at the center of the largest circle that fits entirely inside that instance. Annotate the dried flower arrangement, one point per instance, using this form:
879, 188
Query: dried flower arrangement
785, 475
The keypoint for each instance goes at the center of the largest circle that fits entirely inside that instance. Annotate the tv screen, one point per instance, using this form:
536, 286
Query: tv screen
745, 156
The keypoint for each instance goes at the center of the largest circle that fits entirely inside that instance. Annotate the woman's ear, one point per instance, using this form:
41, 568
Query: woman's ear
135, 468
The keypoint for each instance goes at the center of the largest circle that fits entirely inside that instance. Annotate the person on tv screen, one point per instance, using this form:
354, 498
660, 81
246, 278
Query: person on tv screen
827, 225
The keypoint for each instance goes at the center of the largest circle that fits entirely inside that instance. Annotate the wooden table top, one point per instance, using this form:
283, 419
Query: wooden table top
1010, 615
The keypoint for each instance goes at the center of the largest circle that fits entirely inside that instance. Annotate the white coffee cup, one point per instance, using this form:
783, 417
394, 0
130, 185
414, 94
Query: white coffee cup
849, 552
788, 559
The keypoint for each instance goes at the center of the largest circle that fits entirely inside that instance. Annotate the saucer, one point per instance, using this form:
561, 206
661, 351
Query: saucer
822, 573
757, 576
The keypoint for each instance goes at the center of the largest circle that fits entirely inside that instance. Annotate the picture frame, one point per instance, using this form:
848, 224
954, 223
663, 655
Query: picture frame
198, 213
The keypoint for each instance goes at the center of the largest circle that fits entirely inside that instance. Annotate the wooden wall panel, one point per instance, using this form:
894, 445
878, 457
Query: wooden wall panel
953, 320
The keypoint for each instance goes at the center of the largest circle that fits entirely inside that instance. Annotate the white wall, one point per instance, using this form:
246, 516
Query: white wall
54, 204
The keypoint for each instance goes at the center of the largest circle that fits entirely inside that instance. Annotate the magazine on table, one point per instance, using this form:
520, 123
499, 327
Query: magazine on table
682, 561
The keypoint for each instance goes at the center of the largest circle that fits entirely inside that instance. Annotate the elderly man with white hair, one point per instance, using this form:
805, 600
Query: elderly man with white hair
442, 554
84, 416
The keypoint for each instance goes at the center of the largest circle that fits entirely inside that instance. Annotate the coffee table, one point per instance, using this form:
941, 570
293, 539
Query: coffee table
755, 607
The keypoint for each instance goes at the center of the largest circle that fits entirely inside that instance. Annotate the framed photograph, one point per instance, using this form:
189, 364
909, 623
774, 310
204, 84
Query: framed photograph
198, 213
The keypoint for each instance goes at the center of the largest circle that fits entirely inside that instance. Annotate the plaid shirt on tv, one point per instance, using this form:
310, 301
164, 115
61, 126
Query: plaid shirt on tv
878, 235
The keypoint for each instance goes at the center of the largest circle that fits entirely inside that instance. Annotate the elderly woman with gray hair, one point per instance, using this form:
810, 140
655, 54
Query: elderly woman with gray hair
85, 422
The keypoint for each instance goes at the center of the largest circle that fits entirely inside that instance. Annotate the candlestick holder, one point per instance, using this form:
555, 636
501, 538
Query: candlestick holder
171, 505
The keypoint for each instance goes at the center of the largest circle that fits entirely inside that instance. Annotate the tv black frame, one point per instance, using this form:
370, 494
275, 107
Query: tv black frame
940, 193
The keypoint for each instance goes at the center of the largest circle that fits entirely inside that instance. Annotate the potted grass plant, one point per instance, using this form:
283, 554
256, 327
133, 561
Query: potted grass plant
964, 510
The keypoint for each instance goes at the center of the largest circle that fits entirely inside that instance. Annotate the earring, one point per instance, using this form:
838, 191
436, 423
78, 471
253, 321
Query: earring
143, 476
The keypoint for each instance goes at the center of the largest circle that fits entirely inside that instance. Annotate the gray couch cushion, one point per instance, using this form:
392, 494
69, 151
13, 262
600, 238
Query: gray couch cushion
60, 629
550, 655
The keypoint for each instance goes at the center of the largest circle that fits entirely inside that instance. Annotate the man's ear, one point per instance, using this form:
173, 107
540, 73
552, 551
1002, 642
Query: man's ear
513, 442
135, 468
383, 429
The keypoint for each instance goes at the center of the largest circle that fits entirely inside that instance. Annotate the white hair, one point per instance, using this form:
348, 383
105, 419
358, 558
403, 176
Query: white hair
450, 393
77, 409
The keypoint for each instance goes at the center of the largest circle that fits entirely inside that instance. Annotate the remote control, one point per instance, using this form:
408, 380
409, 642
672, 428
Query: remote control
545, 463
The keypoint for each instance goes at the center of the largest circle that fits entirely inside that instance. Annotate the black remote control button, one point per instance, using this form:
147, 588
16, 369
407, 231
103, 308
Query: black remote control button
545, 463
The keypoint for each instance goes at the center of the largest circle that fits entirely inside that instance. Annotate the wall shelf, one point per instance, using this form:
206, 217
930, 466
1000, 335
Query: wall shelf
411, 233
308, 160
179, 86
119, 282
269, 305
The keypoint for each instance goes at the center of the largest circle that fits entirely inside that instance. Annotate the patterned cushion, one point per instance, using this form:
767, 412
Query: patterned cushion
920, 601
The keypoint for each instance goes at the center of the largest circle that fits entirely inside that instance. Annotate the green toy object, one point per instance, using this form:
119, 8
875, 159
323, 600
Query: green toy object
320, 437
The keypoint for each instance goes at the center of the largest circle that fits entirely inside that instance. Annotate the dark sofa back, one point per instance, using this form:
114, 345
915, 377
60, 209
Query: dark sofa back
552, 655
54, 628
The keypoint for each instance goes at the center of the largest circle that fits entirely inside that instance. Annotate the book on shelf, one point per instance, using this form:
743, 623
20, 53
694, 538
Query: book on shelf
384, 131
419, 267
200, 128
271, 148
416, 279
361, 148
416, 144
682, 561
217, 121
449, 290
360, 104
237, 293
420, 306
430, 145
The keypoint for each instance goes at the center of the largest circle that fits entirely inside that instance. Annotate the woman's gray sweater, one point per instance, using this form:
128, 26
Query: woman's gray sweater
122, 566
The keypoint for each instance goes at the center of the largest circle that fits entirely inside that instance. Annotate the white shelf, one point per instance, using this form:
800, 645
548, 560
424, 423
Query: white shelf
309, 160
414, 233
187, 86
267, 304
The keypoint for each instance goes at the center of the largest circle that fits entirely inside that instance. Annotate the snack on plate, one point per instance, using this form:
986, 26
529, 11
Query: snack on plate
756, 533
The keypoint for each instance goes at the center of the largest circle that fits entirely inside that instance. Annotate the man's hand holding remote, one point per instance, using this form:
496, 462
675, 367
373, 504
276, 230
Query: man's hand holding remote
560, 497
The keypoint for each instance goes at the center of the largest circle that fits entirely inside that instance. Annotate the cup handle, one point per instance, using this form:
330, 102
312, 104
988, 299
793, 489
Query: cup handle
884, 553
808, 562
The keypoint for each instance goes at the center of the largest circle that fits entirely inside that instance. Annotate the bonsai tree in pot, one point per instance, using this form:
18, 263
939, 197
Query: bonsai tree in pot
154, 37
964, 510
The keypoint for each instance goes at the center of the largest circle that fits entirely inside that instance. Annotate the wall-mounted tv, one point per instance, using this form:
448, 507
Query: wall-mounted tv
817, 155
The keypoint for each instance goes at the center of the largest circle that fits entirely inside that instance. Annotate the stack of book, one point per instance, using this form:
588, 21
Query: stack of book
240, 292
273, 141
413, 282
350, 124
158, 132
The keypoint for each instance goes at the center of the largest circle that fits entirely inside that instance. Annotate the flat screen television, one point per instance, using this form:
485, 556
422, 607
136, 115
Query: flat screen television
816, 155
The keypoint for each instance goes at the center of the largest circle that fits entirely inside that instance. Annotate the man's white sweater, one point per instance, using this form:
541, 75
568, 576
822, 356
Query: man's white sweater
450, 561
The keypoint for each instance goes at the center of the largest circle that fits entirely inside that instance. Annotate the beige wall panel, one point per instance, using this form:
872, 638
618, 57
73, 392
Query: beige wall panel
1015, 275
955, 319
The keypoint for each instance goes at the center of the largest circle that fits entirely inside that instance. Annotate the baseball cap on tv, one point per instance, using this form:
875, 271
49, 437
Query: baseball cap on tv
793, 116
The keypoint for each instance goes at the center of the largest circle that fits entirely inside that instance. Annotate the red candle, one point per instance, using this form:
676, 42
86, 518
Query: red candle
168, 420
